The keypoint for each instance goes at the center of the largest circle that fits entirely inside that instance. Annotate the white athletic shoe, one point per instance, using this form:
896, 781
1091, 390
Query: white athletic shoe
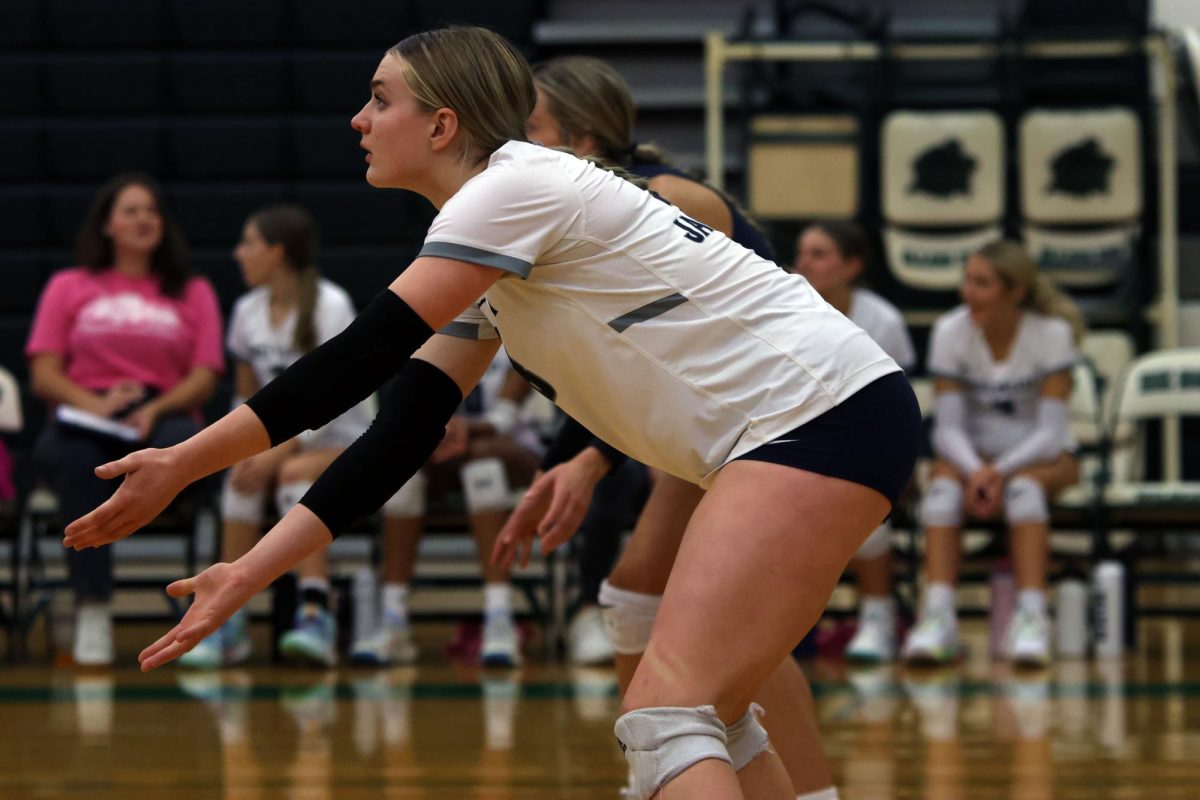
587, 641
1028, 639
875, 640
934, 639
501, 645
387, 646
93, 635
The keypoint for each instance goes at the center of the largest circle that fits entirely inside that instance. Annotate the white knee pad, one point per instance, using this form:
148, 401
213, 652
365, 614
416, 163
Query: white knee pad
942, 505
660, 743
485, 485
877, 544
289, 494
628, 618
746, 739
239, 507
1025, 501
409, 501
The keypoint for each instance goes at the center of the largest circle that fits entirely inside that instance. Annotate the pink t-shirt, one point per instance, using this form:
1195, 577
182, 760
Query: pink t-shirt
109, 328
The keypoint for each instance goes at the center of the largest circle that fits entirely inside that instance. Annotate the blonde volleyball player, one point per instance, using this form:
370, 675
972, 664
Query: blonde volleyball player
1002, 362
661, 335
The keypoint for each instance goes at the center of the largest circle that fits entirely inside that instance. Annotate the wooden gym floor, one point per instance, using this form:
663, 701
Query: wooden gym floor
1079, 730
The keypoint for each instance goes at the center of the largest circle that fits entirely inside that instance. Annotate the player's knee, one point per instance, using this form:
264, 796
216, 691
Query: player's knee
877, 544
240, 506
409, 501
942, 505
485, 486
296, 470
628, 617
1025, 501
288, 495
660, 743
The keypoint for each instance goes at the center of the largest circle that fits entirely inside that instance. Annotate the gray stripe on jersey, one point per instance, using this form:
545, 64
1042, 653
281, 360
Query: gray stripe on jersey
468, 330
649, 311
462, 252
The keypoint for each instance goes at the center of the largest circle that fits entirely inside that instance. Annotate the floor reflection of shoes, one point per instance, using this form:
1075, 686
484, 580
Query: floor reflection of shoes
877, 691
500, 696
935, 696
312, 705
595, 692
94, 704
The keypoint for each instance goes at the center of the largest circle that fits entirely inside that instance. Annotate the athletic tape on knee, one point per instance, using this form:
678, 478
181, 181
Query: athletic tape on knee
877, 544
485, 485
942, 505
239, 507
409, 500
1025, 501
628, 617
289, 494
660, 743
746, 739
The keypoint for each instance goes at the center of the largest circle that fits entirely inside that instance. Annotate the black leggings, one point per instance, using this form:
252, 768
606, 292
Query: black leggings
615, 507
66, 458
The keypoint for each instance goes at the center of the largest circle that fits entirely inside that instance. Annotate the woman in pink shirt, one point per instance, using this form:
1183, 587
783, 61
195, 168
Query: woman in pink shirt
130, 336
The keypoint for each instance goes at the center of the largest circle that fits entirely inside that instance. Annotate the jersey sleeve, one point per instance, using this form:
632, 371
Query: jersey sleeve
1057, 347
53, 319
898, 344
944, 359
472, 324
505, 218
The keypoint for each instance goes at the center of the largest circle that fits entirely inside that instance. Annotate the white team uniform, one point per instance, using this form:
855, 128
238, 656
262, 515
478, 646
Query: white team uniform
476, 405
1001, 396
269, 350
664, 338
885, 324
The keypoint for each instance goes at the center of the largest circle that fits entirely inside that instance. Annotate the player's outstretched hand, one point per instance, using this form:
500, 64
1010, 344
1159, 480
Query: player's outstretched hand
552, 509
151, 482
220, 590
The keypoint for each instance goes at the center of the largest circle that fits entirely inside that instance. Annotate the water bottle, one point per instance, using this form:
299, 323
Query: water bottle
1071, 616
1108, 609
1004, 603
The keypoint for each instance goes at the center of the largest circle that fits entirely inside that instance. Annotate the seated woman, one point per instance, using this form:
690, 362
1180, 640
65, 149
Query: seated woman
288, 311
1002, 362
128, 336
831, 255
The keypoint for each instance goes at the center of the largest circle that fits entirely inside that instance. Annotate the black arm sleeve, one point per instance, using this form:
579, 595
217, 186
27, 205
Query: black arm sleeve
411, 421
343, 371
572, 438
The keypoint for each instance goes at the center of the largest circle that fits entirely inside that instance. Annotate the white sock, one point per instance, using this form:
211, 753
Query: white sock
1032, 601
497, 599
395, 605
823, 794
882, 608
940, 596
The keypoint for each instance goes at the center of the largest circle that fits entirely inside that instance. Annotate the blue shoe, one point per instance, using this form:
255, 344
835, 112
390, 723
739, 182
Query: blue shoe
226, 646
314, 638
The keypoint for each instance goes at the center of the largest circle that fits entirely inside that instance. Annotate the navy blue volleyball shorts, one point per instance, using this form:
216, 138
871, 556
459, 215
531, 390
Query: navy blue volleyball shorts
871, 438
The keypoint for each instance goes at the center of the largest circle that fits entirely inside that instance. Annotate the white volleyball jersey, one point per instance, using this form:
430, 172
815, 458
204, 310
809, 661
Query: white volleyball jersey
1001, 396
269, 350
663, 337
885, 324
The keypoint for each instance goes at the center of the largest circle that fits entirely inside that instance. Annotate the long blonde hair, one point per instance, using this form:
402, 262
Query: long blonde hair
1015, 267
477, 74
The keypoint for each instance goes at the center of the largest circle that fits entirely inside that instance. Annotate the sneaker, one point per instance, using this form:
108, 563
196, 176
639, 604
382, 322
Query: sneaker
587, 641
314, 638
388, 645
934, 639
501, 645
875, 640
1028, 639
226, 646
93, 635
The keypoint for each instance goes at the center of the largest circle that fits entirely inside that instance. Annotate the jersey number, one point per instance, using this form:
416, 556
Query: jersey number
696, 231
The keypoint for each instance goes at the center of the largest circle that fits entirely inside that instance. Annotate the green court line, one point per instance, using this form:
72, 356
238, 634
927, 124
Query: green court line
344, 690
